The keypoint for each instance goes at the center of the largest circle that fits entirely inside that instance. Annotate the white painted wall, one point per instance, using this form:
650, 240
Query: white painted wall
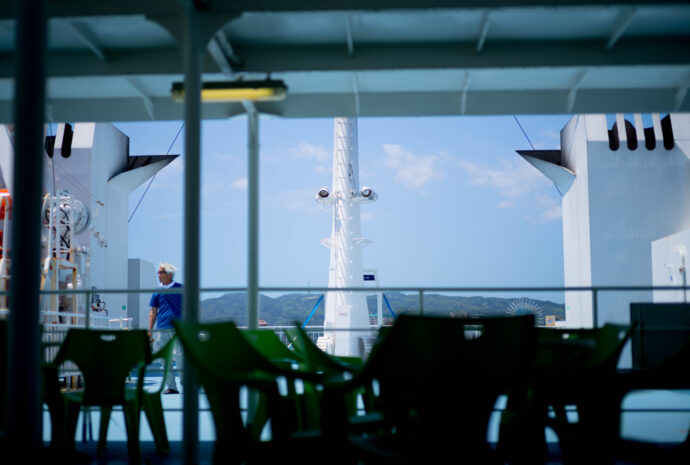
669, 266
576, 240
142, 275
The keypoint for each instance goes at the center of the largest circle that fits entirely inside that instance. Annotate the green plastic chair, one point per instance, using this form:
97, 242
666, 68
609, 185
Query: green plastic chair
151, 405
307, 401
315, 358
105, 359
576, 369
225, 362
332, 367
438, 381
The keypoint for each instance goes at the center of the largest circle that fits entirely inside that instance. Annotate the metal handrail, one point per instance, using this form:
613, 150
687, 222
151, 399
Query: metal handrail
595, 290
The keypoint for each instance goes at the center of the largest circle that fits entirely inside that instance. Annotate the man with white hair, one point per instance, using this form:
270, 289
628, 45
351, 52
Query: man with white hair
166, 307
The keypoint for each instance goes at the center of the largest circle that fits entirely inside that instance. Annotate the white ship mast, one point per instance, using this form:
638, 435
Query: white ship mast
345, 310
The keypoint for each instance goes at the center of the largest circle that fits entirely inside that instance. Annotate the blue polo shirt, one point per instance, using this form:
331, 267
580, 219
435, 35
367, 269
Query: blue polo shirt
169, 308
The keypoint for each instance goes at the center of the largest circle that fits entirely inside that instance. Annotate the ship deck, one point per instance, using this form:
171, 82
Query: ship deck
653, 422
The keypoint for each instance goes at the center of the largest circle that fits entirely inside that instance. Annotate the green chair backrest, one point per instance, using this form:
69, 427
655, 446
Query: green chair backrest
434, 371
315, 358
582, 349
270, 346
220, 348
105, 359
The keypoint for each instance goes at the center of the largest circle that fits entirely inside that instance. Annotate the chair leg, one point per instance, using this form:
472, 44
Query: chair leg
103, 429
71, 418
153, 408
257, 423
132, 419
57, 425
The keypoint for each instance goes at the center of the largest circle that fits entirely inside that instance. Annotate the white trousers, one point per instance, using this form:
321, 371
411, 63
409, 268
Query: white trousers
162, 338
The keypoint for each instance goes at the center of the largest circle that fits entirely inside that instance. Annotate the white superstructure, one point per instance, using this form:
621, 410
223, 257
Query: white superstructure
345, 310
87, 180
625, 187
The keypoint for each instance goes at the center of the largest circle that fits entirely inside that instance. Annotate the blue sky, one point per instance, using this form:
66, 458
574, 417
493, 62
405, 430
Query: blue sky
457, 206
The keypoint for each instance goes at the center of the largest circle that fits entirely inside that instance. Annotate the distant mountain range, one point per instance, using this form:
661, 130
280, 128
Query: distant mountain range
288, 308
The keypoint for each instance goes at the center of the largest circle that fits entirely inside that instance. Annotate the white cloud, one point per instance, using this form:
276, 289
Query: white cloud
550, 214
294, 200
226, 156
551, 134
550, 209
519, 185
307, 151
170, 177
167, 216
321, 169
514, 179
411, 170
240, 184
212, 186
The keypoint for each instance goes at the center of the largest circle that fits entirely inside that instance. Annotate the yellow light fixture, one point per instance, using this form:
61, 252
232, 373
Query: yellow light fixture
235, 91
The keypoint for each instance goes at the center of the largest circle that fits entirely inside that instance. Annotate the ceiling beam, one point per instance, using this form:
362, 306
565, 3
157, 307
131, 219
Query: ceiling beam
483, 31
148, 103
348, 35
85, 35
579, 79
355, 89
215, 50
625, 17
77, 8
463, 94
501, 55
420, 103
681, 94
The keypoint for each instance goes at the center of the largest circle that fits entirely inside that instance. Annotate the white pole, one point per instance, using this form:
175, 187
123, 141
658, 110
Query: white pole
253, 220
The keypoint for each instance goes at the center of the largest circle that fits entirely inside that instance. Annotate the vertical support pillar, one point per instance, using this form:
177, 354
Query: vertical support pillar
23, 395
192, 202
253, 220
